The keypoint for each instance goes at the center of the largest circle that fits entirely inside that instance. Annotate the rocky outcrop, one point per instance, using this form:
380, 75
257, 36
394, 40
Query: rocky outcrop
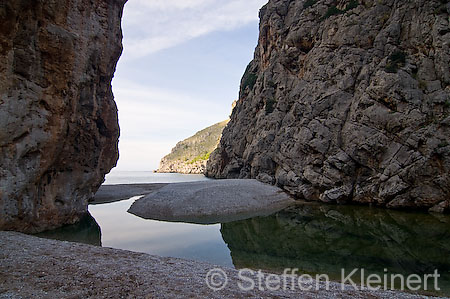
211, 201
346, 101
58, 120
190, 155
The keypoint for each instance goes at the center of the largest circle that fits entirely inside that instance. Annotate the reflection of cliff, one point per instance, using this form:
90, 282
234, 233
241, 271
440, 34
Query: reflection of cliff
85, 231
324, 239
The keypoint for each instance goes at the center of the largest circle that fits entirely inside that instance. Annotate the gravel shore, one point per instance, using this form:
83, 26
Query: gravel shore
32, 267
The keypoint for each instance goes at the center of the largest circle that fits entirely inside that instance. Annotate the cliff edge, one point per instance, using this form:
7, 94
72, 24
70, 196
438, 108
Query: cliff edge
346, 101
58, 119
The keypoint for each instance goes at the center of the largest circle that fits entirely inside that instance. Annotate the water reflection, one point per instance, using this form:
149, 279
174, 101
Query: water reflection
324, 239
85, 231
123, 230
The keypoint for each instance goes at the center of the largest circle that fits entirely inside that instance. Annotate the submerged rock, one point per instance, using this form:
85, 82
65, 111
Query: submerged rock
211, 201
346, 101
58, 120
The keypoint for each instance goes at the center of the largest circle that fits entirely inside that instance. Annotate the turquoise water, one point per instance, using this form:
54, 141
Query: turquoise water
313, 237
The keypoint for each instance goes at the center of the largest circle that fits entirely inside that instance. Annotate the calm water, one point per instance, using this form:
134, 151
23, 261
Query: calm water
123, 230
312, 237
142, 177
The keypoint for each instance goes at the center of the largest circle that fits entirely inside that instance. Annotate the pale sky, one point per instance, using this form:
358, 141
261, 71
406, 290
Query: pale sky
179, 71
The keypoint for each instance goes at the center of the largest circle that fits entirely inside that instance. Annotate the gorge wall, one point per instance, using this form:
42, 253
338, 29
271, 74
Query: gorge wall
58, 119
346, 101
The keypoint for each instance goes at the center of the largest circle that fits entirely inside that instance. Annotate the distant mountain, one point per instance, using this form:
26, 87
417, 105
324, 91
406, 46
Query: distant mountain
191, 154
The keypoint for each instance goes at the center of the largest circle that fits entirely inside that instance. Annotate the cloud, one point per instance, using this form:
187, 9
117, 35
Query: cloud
152, 120
141, 155
152, 26
151, 113
171, 4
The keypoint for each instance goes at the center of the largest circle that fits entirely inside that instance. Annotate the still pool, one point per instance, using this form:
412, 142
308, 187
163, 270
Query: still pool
123, 230
315, 238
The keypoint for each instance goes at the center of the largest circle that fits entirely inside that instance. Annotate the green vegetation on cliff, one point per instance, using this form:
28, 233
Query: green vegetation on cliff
194, 151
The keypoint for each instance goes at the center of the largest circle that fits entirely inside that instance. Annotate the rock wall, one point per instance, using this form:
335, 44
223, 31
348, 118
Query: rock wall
58, 119
346, 101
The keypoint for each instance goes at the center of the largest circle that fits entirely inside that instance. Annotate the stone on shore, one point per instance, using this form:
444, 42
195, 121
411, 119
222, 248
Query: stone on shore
217, 201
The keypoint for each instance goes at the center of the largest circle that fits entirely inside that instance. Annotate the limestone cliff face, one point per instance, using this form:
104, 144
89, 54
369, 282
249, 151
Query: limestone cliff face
346, 101
58, 119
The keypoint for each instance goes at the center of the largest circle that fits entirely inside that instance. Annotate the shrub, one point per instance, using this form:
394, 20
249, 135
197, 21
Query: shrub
332, 11
250, 81
442, 144
309, 3
271, 84
203, 157
422, 84
391, 68
442, 9
270, 105
447, 104
249, 78
395, 61
398, 57
351, 5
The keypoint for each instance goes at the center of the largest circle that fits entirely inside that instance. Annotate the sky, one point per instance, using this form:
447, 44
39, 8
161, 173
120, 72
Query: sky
179, 71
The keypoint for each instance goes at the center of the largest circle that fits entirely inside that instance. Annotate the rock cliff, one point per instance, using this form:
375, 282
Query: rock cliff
190, 155
58, 119
346, 101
